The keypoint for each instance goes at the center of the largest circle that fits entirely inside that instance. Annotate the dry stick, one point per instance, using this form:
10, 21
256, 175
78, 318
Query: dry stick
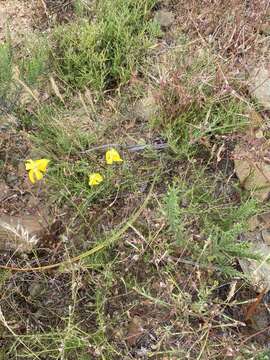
45, 7
27, 88
6, 325
253, 335
94, 250
131, 148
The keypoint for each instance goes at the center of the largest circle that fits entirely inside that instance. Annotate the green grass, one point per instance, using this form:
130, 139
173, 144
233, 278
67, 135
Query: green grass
218, 221
34, 61
57, 133
203, 120
6, 68
105, 52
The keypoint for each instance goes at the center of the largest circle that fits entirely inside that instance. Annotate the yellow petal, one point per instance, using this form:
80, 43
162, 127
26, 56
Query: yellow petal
112, 156
42, 164
29, 164
32, 176
95, 179
38, 174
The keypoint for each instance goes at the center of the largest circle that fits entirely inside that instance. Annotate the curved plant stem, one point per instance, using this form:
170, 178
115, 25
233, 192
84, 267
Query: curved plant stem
104, 244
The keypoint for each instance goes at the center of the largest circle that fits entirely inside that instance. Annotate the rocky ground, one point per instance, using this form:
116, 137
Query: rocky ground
154, 264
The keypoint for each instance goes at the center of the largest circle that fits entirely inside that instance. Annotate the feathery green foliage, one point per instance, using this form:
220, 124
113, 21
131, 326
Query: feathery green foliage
173, 213
103, 53
35, 62
219, 225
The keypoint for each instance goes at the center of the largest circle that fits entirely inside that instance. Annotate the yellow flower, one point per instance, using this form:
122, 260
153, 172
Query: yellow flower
112, 156
36, 169
95, 179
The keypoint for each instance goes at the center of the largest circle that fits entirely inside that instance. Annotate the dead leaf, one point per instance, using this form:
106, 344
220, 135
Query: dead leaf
135, 331
253, 307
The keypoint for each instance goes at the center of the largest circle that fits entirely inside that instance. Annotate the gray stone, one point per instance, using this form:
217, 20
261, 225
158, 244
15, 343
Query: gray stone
260, 85
164, 18
11, 179
265, 28
20, 234
258, 271
146, 108
252, 173
266, 236
37, 289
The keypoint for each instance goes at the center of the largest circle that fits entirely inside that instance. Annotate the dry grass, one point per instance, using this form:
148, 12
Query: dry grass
147, 262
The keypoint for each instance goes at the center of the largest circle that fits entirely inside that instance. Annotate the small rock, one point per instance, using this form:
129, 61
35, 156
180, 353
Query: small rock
258, 271
164, 18
253, 173
260, 85
253, 223
135, 331
264, 219
259, 222
37, 289
20, 234
266, 236
11, 179
209, 30
265, 29
259, 237
146, 108
254, 177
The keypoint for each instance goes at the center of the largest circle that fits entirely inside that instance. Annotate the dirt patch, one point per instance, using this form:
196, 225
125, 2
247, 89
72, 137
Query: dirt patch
15, 18
236, 29
18, 18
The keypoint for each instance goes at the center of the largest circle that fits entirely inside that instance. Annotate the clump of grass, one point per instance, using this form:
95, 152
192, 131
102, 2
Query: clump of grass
21, 69
173, 213
195, 208
6, 59
34, 62
105, 52
57, 134
204, 121
195, 104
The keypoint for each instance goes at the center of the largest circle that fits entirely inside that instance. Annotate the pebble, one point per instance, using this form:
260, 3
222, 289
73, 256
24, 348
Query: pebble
164, 18
260, 85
